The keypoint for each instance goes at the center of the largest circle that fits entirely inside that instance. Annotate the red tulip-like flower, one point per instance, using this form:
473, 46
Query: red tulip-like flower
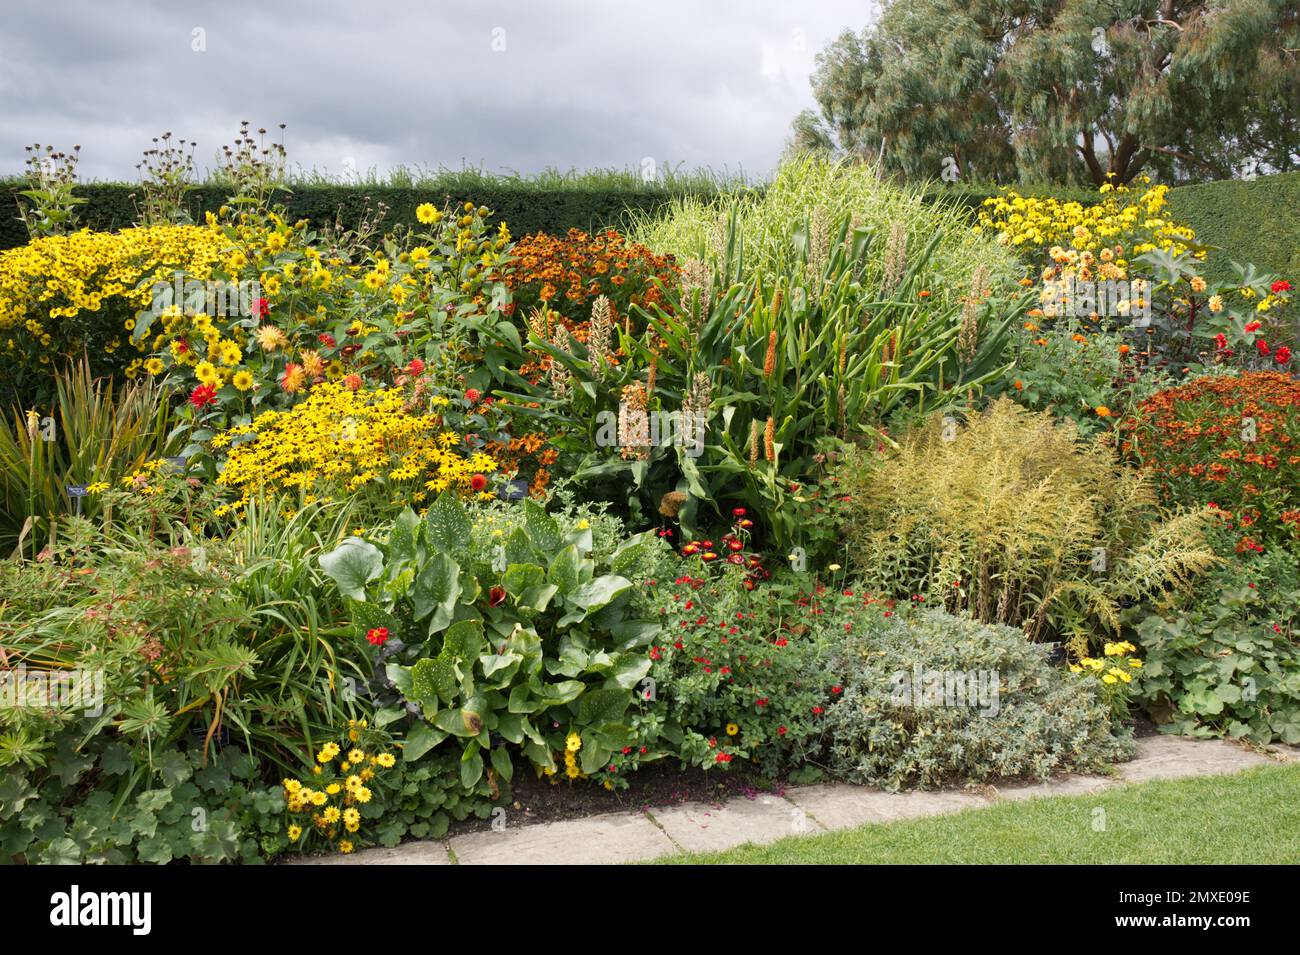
738, 512
496, 596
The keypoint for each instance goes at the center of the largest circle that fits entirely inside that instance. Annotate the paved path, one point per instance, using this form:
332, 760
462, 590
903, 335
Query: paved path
690, 827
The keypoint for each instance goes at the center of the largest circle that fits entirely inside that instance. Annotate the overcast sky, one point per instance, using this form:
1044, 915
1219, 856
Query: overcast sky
510, 85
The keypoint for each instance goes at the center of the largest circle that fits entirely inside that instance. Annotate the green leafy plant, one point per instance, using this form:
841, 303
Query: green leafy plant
520, 649
724, 392
50, 178
930, 697
1226, 662
95, 434
738, 676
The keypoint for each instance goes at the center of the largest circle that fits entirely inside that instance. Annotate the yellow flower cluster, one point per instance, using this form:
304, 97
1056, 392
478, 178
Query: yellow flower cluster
1122, 219
344, 440
1107, 671
333, 795
90, 272
572, 747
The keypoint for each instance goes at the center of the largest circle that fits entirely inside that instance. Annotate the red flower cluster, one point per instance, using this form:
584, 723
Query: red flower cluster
1231, 440
202, 396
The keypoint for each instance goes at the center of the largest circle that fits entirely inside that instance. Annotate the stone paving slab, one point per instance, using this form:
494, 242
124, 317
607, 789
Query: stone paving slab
634, 837
1059, 786
596, 840
409, 853
700, 827
838, 806
1178, 757
1287, 754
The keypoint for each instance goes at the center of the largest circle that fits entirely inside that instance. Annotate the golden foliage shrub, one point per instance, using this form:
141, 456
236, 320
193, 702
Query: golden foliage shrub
1011, 516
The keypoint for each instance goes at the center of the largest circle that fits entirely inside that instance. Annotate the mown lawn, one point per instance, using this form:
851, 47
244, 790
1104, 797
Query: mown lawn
1250, 817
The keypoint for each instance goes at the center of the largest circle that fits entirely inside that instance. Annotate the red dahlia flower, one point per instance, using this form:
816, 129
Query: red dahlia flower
202, 396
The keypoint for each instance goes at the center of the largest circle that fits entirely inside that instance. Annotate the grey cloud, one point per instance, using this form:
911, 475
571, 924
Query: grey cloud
577, 85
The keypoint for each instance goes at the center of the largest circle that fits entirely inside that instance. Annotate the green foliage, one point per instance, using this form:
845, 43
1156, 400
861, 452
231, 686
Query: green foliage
93, 434
1227, 662
902, 721
1055, 371
739, 675
787, 333
48, 203
191, 637
497, 655
1244, 221
548, 206
1188, 90
89, 803
768, 220
1016, 520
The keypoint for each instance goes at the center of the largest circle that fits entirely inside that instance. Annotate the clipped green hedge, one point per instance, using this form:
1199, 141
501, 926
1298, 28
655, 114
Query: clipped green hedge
1252, 221
1255, 221
525, 209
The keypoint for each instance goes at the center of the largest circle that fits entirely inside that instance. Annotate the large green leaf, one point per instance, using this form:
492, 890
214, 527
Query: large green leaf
501, 763
599, 592
402, 538
471, 769
434, 680
448, 524
463, 722
352, 565
603, 706
542, 528
435, 591
464, 639
522, 577
564, 570
419, 740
